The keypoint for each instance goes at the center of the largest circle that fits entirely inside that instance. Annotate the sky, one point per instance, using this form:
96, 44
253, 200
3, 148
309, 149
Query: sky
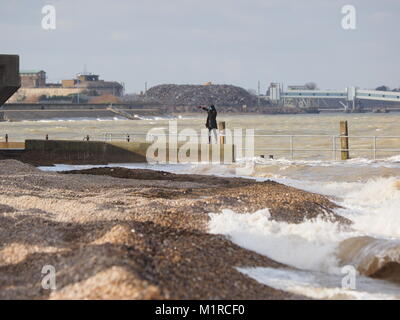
237, 42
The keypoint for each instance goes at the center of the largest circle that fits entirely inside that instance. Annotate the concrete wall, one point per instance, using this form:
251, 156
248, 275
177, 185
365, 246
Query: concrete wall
68, 106
12, 145
10, 80
23, 93
56, 115
99, 152
64, 151
43, 111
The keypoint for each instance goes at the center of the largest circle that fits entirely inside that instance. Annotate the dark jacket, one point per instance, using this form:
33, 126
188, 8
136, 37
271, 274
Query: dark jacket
211, 118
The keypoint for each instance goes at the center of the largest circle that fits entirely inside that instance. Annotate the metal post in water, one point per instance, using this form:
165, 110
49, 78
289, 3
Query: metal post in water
222, 127
291, 147
374, 147
6, 137
334, 147
344, 140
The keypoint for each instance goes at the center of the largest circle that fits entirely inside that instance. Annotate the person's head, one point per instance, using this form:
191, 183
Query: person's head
212, 108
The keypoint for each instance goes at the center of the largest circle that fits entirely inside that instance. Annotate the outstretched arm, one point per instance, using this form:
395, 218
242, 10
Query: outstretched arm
204, 108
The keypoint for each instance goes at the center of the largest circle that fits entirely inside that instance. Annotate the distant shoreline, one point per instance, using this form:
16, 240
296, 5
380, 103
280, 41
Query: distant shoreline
37, 112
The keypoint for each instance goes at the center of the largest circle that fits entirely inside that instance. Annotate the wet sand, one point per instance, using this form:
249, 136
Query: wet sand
114, 233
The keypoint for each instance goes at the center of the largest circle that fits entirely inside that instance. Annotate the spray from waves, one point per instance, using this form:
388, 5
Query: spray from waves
373, 204
394, 158
299, 173
319, 249
309, 245
392, 161
322, 286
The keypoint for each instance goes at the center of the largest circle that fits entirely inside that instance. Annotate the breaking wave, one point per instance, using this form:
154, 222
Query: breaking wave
371, 244
318, 250
378, 258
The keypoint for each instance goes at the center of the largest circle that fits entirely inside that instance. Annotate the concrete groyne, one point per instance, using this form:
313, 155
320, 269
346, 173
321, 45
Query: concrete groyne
48, 152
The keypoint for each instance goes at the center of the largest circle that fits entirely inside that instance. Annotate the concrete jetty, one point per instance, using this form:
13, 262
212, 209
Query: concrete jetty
48, 152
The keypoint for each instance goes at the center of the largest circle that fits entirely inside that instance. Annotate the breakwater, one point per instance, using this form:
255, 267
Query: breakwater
48, 152
15, 112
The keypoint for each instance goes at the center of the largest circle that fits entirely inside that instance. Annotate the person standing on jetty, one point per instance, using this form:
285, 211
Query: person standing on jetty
211, 123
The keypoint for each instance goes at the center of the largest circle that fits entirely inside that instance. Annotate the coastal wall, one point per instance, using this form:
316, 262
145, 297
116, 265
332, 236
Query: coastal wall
42, 111
12, 150
37, 115
64, 151
99, 152
12, 145
68, 106
22, 93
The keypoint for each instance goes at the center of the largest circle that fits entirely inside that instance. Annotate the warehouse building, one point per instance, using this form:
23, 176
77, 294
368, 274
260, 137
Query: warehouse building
34, 86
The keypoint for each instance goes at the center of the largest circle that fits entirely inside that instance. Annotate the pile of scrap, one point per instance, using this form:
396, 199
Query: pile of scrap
194, 95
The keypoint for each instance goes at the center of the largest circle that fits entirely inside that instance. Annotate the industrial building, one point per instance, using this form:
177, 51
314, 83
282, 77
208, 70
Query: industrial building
33, 78
93, 85
34, 85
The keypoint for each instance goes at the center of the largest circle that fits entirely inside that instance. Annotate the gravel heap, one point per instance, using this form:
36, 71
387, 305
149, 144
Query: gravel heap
195, 95
134, 234
10, 166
